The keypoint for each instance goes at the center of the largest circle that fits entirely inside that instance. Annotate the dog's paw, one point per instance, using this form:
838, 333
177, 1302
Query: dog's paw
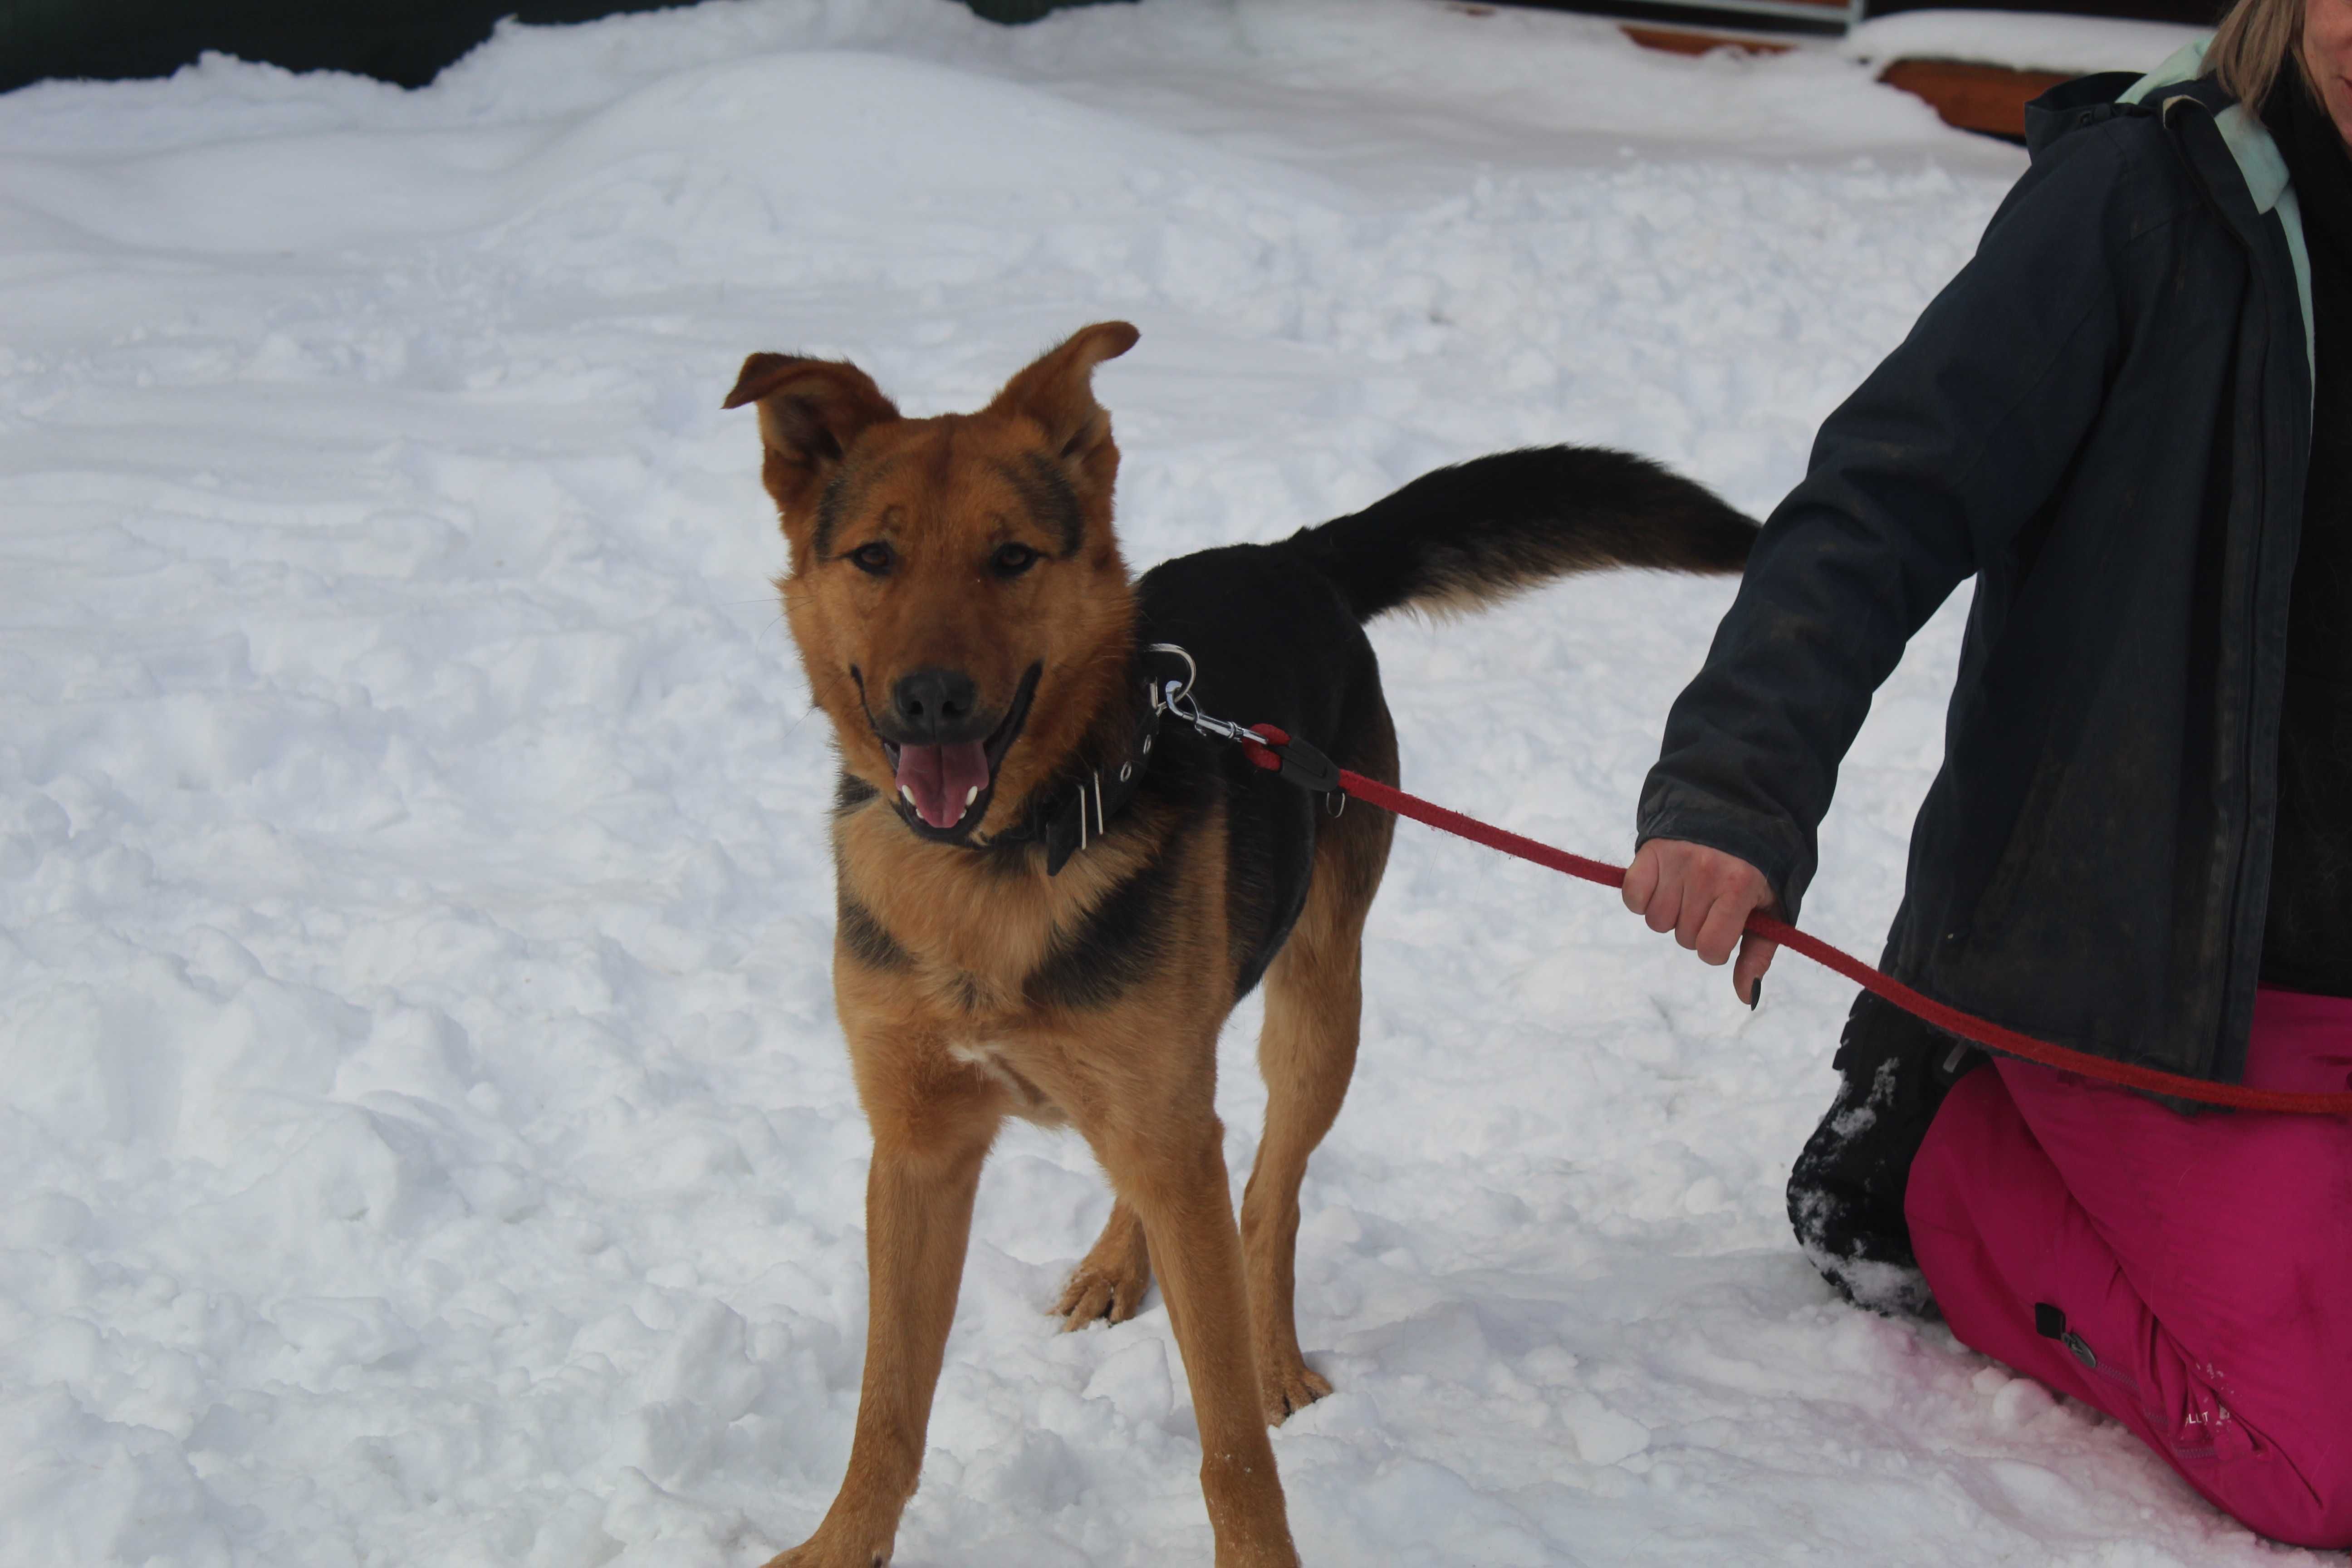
1288, 1390
817, 1552
1111, 1295
1109, 1282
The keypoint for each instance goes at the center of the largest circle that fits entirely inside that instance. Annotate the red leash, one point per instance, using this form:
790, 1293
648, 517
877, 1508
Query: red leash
1315, 772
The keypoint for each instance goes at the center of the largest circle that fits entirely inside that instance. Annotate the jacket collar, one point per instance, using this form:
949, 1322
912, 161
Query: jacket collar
2182, 81
2242, 131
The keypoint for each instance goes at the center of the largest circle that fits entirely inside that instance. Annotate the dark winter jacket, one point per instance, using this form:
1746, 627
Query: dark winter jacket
2106, 420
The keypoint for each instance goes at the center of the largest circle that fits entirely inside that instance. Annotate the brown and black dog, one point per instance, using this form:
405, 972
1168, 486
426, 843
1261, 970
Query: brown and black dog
1049, 899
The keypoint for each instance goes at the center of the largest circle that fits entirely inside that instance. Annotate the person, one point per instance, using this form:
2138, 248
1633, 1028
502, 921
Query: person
2129, 418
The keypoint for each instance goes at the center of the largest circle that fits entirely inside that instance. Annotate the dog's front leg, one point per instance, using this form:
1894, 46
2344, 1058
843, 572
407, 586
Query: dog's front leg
1175, 1178
929, 1141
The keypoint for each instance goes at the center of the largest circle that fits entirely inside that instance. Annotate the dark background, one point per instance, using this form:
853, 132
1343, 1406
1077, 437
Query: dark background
408, 41
403, 41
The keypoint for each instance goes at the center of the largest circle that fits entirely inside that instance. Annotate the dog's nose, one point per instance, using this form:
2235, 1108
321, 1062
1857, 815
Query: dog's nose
933, 704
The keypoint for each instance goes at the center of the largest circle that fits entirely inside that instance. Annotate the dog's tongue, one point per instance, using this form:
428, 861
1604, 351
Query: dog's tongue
941, 781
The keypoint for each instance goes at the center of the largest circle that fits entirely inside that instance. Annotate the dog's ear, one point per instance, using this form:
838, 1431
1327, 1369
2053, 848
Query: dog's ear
811, 410
1057, 393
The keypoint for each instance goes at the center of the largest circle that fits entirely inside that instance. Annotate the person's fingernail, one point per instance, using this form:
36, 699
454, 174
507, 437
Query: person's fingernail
1755, 992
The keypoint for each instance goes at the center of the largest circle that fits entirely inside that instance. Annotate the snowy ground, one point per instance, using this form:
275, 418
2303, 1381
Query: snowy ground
424, 1134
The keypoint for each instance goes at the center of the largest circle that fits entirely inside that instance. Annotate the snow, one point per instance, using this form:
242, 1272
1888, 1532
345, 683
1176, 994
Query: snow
2049, 42
425, 1133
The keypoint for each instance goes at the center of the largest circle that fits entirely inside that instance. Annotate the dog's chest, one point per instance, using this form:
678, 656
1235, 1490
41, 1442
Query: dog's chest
1014, 976
976, 936
976, 1004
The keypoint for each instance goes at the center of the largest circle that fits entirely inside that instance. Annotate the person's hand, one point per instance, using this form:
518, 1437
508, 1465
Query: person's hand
1704, 896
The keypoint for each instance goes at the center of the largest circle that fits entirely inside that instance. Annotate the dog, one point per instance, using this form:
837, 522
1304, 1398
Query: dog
1052, 890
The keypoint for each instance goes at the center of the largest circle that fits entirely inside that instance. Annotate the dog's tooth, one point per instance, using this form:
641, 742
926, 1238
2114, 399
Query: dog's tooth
971, 795
907, 793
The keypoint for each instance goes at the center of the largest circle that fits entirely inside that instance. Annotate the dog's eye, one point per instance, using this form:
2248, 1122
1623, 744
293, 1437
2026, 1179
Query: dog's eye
1011, 560
874, 560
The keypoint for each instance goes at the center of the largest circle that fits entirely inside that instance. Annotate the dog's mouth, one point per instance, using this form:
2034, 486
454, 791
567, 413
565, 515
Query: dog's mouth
944, 789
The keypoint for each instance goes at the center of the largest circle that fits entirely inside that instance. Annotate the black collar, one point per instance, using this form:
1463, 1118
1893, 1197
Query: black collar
1080, 806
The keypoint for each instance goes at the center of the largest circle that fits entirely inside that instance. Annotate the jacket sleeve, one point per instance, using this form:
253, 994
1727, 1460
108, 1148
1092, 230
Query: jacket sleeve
1928, 472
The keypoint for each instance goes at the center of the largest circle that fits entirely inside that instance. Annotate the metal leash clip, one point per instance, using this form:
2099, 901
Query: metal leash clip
1301, 763
1176, 697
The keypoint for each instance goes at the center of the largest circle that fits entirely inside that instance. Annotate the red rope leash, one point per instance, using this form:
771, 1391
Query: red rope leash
1951, 1020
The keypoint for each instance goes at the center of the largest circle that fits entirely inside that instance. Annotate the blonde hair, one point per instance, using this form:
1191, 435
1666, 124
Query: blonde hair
2255, 41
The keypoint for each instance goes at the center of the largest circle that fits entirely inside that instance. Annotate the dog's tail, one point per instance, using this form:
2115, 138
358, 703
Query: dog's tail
1481, 530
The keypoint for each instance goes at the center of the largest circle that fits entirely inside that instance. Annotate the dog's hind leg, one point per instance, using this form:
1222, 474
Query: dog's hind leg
1110, 1281
1306, 1051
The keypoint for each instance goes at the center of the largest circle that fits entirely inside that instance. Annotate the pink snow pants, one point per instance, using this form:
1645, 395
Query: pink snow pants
2189, 1275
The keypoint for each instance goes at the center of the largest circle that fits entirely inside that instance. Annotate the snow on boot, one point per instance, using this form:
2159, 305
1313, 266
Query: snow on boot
1846, 1192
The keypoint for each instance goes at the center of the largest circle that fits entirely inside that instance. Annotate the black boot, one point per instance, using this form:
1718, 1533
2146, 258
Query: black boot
1845, 1194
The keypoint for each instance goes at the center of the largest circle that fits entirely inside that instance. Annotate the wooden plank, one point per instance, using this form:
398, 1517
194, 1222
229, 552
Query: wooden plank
1991, 99
1696, 41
